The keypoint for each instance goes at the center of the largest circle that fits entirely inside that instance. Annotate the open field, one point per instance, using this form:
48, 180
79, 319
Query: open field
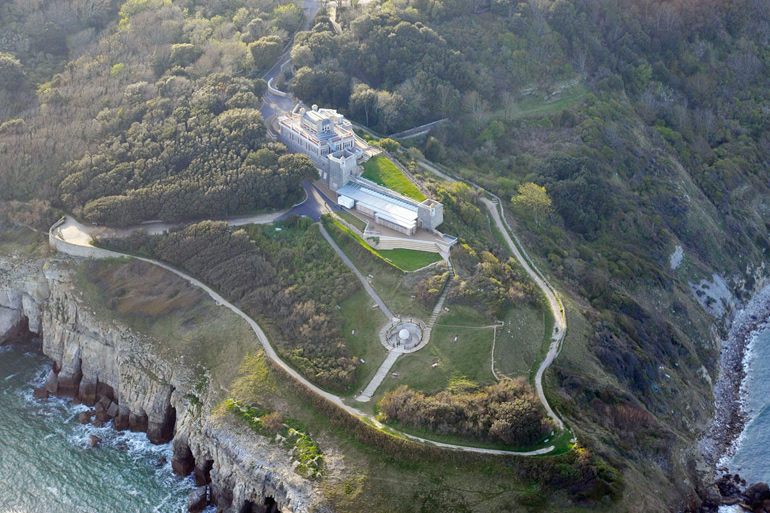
520, 341
468, 356
382, 171
359, 316
391, 284
534, 105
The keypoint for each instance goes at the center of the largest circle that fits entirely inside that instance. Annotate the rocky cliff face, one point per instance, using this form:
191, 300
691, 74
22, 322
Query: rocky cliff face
112, 368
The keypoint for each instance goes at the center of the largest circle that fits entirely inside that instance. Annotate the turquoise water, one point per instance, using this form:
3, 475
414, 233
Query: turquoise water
752, 458
46, 465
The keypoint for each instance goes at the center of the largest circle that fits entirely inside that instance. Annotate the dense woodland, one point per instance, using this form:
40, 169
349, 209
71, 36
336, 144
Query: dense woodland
668, 145
506, 412
110, 109
154, 118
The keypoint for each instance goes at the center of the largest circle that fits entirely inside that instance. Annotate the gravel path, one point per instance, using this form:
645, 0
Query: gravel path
557, 308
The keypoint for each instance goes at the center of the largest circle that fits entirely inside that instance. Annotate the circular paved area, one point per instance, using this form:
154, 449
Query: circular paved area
404, 335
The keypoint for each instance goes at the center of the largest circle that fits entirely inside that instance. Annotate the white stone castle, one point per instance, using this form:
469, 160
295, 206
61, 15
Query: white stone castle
328, 139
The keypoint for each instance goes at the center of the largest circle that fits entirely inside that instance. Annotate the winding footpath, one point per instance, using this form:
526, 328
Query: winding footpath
552, 296
380, 303
71, 237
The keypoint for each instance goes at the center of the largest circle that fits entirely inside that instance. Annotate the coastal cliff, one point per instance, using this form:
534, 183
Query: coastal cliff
121, 374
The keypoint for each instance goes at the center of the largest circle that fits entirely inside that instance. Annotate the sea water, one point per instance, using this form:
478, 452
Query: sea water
752, 457
47, 466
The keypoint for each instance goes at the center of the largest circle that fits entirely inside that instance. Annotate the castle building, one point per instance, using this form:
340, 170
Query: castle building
328, 139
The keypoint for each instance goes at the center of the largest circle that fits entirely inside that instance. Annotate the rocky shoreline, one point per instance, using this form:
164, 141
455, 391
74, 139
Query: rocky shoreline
730, 416
113, 369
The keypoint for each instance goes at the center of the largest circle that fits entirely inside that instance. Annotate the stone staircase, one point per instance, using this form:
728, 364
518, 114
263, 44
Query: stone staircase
438, 308
378, 378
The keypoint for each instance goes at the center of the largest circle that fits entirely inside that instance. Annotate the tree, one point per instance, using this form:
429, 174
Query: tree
266, 51
11, 73
533, 200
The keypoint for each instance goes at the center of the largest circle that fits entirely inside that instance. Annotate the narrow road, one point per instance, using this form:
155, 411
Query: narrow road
82, 234
555, 304
360, 276
560, 324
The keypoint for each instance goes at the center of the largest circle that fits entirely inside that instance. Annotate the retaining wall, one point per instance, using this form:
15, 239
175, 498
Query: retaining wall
62, 246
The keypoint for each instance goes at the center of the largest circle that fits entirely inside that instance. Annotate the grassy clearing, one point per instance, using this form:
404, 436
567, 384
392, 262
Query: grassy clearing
384, 172
391, 283
519, 342
359, 317
468, 356
409, 259
534, 105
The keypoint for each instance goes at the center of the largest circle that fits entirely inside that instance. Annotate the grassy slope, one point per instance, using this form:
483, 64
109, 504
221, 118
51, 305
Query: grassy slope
520, 341
534, 105
179, 319
388, 281
401, 259
352, 219
409, 259
382, 171
359, 316
182, 320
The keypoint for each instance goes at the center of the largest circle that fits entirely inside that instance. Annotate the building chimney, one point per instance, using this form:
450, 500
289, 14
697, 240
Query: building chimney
315, 107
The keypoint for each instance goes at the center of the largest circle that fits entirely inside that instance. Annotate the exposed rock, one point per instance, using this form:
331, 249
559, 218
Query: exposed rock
13, 325
137, 422
85, 417
198, 500
40, 393
94, 441
121, 421
87, 391
203, 472
51, 382
150, 393
182, 462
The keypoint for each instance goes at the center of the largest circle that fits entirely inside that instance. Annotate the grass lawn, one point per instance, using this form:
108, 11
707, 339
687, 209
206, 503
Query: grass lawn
534, 105
384, 172
409, 259
520, 341
469, 356
352, 219
359, 316
401, 259
391, 283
